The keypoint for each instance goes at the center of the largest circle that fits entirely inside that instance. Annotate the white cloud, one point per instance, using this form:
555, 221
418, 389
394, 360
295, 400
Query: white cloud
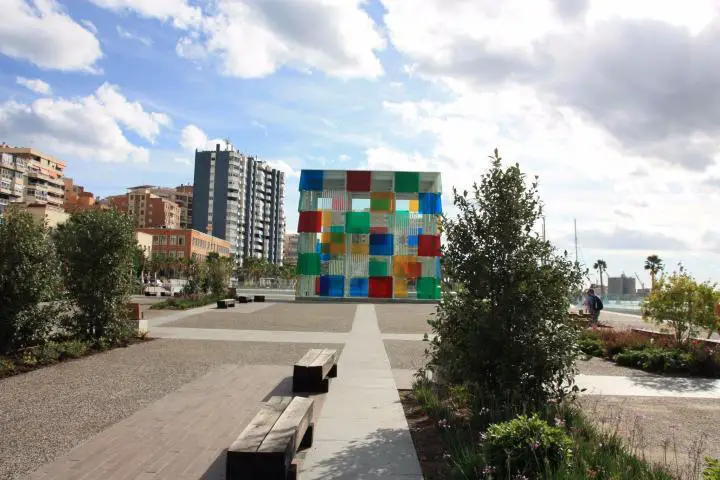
133, 36
40, 32
192, 138
89, 127
180, 12
90, 26
285, 167
183, 161
36, 85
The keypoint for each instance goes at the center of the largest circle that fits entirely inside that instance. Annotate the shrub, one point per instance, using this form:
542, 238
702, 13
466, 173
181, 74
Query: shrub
48, 353
712, 469
592, 346
656, 360
505, 331
7, 367
73, 348
525, 445
29, 275
218, 270
183, 303
97, 248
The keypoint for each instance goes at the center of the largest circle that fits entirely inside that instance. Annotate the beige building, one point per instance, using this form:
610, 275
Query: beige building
44, 176
12, 179
290, 248
44, 212
145, 242
147, 209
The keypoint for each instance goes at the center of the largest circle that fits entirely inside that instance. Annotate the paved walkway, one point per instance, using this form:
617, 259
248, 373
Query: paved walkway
362, 431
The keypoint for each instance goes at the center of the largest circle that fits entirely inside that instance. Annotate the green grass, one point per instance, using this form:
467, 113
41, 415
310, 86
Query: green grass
183, 303
594, 454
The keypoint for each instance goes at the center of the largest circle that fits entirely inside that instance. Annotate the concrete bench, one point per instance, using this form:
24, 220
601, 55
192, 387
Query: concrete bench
313, 371
225, 303
266, 448
244, 299
259, 298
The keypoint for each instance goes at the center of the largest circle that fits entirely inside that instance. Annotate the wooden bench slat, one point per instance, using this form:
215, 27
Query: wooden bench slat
323, 363
309, 357
259, 427
288, 431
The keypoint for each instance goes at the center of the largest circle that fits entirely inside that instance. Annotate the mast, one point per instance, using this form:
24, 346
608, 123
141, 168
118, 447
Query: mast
576, 253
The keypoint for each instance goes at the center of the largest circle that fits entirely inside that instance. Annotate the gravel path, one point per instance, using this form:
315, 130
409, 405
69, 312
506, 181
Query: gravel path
404, 318
661, 427
598, 366
335, 318
49, 411
405, 354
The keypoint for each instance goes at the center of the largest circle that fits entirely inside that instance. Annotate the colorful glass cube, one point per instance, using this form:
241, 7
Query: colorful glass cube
310, 222
357, 222
407, 182
380, 287
311, 180
381, 244
358, 181
429, 246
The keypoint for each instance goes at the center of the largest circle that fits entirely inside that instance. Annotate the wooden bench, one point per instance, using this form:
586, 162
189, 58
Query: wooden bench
244, 299
266, 448
313, 371
225, 303
259, 298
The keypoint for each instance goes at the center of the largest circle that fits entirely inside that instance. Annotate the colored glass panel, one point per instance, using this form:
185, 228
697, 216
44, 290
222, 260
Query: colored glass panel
337, 248
378, 268
359, 287
310, 222
429, 245
381, 244
308, 264
427, 287
332, 286
413, 206
358, 181
382, 202
311, 180
407, 182
327, 217
360, 249
357, 222
337, 229
400, 287
380, 287
430, 203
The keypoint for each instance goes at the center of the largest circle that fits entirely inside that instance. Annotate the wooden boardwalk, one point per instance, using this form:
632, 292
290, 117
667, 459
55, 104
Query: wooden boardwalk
181, 436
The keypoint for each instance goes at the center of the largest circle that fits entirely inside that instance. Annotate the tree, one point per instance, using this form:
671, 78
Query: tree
654, 265
97, 248
29, 275
505, 332
218, 274
683, 304
601, 267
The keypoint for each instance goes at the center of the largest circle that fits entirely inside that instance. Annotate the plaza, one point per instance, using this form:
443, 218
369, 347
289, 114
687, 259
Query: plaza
168, 408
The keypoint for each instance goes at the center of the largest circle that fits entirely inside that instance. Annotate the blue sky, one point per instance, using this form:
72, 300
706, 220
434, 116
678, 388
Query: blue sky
576, 91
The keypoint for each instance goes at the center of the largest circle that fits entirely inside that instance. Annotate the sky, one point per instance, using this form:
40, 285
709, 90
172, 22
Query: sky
615, 105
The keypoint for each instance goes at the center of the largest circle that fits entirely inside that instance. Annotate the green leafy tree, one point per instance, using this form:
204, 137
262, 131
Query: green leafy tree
194, 271
601, 267
683, 304
29, 275
654, 265
505, 332
97, 248
218, 274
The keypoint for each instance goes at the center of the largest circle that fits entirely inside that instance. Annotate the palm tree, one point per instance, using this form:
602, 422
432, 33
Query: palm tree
654, 265
601, 267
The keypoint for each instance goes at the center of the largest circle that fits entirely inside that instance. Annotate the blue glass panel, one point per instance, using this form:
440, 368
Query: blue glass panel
359, 287
381, 244
311, 180
430, 203
412, 240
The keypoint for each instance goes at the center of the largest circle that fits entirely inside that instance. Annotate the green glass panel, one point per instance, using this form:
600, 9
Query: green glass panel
378, 268
337, 229
407, 182
427, 288
357, 222
337, 237
308, 264
380, 204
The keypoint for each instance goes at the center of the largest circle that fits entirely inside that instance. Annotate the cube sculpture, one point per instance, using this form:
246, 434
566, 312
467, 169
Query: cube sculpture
369, 234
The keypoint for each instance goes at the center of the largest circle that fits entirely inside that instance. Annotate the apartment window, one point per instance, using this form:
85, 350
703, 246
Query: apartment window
180, 240
5, 183
163, 240
173, 240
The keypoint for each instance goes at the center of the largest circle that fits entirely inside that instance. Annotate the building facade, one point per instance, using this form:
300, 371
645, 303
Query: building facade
147, 209
13, 172
44, 177
290, 246
49, 215
184, 243
76, 198
369, 234
240, 199
181, 195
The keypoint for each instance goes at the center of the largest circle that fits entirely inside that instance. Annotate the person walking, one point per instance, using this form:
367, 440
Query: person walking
594, 305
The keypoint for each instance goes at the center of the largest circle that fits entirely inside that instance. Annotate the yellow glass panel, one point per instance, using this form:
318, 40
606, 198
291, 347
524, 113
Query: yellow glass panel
400, 265
360, 249
327, 218
414, 205
337, 248
400, 287
325, 236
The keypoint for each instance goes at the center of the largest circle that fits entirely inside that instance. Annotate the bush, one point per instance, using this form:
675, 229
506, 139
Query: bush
505, 331
656, 360
29, 275
7, 367
73, 349
525, 445
49, 353
97, 248
712, 469
592, 346
183, 303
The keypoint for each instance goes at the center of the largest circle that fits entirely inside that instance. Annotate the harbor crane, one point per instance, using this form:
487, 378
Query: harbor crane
642, 284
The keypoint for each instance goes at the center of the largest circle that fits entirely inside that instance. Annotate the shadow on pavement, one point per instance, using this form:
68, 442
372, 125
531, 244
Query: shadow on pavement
677, 384
216, 471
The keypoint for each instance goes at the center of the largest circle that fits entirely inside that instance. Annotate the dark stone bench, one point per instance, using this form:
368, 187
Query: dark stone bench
244, 299
313, 371
266, 448
259, 298
225, 303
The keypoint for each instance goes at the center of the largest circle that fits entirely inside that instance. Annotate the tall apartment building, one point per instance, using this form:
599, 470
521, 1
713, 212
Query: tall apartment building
43, 178
12, 179
147, 209
240, 199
